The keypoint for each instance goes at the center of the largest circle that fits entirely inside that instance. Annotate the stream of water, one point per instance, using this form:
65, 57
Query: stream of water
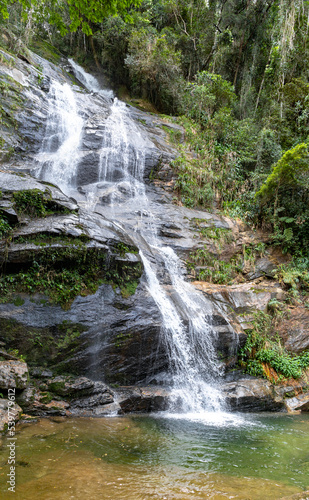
186, 332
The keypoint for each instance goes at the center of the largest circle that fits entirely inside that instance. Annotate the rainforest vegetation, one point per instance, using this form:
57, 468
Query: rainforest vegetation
233, 73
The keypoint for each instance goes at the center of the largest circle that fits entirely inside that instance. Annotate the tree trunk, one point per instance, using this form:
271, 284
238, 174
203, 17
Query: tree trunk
95, 57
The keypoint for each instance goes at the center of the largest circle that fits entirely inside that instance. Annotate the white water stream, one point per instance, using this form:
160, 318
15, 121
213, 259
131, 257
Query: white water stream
186, 332
59, 153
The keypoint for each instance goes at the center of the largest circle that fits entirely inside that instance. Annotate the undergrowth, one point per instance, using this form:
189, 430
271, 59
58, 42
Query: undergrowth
263, 348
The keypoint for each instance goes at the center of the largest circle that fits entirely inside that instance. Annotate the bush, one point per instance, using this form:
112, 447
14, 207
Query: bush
263, 346
284, 199
206, 96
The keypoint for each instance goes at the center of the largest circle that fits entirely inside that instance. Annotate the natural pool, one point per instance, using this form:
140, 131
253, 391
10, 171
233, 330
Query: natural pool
140, 457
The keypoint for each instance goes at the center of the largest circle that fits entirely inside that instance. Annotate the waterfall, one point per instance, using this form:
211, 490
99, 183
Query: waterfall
89, 81
189, 339
58, 157
122, 152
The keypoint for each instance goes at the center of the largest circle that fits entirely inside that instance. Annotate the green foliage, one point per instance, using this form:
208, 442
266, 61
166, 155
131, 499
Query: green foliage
290, 172
295, 275
128, 289
192, 182
5, 227
36, 203
214, 269
70, 15
205, 97
31, 202
65, 272
263, 346
284, 199
154, 68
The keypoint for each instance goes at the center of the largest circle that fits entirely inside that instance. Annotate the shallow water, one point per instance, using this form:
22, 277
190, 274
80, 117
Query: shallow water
135, 458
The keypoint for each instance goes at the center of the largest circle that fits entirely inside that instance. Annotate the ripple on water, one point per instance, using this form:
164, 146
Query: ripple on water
141, 458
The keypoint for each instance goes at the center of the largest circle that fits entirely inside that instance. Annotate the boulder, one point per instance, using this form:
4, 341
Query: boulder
9, 412
41, 403
295, 330
13, 374
99, 396
265, 266
252, 395
65, 386
142, 399
298, 403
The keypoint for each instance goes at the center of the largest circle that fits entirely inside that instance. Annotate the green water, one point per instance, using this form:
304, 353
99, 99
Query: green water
135, 458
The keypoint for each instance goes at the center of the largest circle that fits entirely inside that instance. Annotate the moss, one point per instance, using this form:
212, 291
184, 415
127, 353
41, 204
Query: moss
46, 50
122, 339
41, 346
37, 203
129, 289
63, 272
57, 387
18, 301
46, 397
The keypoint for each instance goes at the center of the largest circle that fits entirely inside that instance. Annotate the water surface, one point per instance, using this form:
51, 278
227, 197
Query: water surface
136, 458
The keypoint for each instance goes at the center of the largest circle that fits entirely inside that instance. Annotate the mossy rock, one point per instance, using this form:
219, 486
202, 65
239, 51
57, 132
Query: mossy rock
43, 346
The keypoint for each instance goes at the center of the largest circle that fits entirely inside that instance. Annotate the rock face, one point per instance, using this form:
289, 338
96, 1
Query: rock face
110, 333
13, 374
81, 396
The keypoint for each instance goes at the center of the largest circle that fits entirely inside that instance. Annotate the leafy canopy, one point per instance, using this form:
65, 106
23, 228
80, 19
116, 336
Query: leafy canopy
291, 171
69, 15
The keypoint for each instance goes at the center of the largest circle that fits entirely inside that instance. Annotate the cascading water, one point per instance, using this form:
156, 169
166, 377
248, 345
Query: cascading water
59, 153
186, 332
89, 81
122, 152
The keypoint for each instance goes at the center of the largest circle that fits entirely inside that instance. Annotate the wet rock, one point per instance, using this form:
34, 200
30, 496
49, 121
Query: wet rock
9, 412
40, 373
65, 386
101, 395
27, 397
298, 403
13, 374
41, 403
79, 396
252, 395
6, 209
142, 399
111, 409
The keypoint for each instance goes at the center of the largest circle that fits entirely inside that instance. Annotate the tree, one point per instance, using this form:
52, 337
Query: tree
284, 198
70, 15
